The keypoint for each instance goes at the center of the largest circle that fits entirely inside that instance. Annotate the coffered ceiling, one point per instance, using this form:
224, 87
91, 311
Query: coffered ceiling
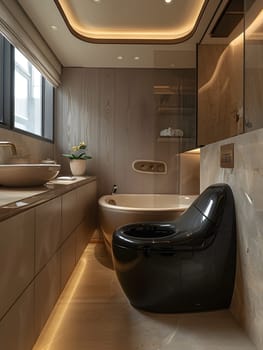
115, 21
122, 33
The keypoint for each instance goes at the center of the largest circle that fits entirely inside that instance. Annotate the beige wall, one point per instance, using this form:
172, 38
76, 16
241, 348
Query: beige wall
115, 112
29, 149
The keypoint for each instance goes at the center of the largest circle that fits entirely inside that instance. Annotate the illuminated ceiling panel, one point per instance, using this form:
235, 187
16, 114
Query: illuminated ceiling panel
135, 21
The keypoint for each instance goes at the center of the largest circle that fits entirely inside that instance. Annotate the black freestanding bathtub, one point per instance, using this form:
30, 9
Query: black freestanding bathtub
181, 266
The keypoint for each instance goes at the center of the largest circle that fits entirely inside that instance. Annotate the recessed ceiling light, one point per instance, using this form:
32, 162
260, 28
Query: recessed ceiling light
168, 1
96, 1
53, 27
119, 57
136, 58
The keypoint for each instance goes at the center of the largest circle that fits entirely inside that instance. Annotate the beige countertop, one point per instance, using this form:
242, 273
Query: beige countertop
16, 200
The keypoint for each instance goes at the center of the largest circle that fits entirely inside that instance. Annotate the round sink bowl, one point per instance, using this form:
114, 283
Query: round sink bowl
27, 175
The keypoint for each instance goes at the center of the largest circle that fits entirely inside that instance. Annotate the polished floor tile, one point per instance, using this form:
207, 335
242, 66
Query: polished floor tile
93, 313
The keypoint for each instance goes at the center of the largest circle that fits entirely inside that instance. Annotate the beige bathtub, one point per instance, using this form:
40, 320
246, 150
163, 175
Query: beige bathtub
120, 209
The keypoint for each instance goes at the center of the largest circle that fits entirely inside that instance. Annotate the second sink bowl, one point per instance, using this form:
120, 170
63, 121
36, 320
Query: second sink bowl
27, 175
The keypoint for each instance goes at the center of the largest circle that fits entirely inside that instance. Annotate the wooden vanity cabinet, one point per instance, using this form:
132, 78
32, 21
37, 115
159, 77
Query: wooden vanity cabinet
39, 249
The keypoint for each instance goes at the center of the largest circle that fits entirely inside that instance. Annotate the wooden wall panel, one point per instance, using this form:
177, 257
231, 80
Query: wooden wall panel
134, 129
114, 111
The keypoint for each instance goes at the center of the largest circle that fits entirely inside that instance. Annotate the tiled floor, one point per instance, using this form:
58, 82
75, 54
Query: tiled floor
93, 314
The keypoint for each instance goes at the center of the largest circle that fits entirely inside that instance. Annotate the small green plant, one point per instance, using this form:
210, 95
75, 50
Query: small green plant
78, 152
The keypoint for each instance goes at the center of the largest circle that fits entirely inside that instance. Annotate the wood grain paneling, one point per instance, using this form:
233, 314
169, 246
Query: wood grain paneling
114, 111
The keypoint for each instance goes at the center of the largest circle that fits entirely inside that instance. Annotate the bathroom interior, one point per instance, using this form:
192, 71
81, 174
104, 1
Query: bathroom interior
168, 101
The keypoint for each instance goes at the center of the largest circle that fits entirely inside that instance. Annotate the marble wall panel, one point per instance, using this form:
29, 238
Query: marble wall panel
245, 179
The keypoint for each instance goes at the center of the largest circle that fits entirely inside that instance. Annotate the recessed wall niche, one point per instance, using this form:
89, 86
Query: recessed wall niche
175, 99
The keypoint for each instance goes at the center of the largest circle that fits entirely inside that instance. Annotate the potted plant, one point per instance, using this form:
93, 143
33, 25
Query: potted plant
78, 159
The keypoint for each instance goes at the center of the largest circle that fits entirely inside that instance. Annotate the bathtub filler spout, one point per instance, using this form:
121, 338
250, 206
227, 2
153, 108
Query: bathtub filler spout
114, 189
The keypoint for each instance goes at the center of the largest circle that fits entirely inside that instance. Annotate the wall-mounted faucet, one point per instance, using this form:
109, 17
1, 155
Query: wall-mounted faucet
114, 189
9, 144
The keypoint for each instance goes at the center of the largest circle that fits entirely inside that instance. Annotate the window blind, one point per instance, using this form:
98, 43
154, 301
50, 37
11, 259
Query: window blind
17, 27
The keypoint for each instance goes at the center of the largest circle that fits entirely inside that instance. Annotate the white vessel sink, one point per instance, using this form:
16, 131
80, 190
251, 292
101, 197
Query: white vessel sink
27, 175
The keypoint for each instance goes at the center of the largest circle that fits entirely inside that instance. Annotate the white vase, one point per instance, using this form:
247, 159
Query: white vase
78, 167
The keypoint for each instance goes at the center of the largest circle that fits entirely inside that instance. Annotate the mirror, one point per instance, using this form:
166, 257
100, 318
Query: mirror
220, 76
253, 65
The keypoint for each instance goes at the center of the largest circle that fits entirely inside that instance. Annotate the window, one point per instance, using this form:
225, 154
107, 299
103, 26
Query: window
27, 98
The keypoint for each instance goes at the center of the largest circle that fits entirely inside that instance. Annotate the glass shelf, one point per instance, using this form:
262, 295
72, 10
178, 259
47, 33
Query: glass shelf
174, 138
171, 109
